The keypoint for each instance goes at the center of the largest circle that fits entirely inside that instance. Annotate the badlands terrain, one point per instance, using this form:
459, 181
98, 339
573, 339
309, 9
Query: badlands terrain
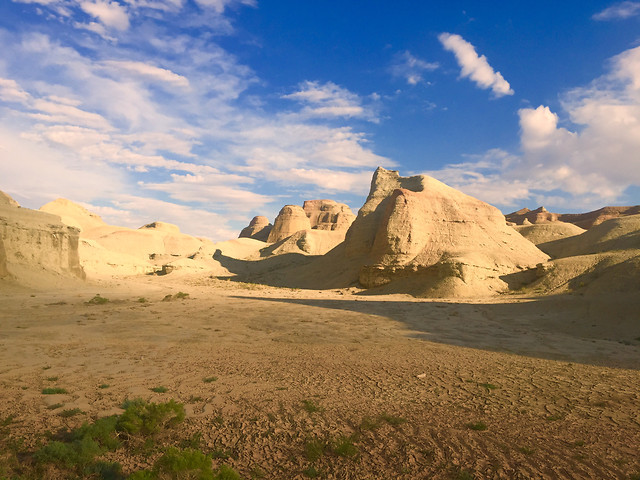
427, 337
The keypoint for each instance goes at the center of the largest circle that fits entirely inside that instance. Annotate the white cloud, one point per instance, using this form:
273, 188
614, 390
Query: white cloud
220, 5
410, 67
109, 13
146, 71
10, 91
475, 67
330, 100
590, 164
619, 11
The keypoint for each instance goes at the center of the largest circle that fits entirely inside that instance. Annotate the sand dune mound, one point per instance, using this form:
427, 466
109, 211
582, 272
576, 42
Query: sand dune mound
73, 214
258, 229
548, 232
36, 248
291, 219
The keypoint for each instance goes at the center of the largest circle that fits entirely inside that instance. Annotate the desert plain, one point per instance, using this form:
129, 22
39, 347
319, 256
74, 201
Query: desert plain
540, 380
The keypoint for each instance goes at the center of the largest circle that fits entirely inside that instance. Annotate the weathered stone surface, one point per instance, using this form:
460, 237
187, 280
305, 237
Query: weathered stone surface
418, 225
328, 215
6, 200
582, 220
258, 229
291, 219
34, 241
161, 227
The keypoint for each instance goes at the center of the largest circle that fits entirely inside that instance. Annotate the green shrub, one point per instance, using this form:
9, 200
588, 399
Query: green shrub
70, 412
186, 463
53, 391
344, 447
392, 420
314, 449
98, 300
227, 473
160, 389
209, 379
478, 426
148, 418
310, 407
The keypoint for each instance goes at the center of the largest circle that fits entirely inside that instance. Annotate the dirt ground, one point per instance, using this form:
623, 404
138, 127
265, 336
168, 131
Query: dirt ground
510, 387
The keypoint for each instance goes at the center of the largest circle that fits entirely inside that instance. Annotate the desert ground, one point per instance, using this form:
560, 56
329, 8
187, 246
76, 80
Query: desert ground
290, 383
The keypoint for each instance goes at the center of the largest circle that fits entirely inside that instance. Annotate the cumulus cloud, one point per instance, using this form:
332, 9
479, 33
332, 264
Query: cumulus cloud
411, 68
619, 11
589, 162
109, 13
146, 71
475, 67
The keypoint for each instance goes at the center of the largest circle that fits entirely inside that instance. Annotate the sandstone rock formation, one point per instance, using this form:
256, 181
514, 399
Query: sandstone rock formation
328, 215
291, 219
73, 214
7, 201
444, 240
582, 220
258, 229
33, 244
306, 242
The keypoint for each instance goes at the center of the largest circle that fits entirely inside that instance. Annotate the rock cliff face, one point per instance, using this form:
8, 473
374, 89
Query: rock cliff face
258, 229
33, 242
328, 215
582, 220
291, 219
421, 229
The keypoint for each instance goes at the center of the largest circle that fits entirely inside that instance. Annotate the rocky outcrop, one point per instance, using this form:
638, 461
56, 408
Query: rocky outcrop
306, 242
35, 243
258, 229
162, 227
7, 201
582, 220
291, 219
448, 242
73, 214
548, 232
328, 215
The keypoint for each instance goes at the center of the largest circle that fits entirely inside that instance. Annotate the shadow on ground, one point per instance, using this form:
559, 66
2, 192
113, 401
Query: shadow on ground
600, 331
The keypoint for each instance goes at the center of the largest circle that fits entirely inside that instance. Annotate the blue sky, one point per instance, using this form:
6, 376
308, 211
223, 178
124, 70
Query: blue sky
204, 113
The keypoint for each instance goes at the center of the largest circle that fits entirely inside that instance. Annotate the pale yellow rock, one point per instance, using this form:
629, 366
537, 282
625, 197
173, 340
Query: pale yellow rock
258, 229
546, 232
73, 214
328, 215
291, 219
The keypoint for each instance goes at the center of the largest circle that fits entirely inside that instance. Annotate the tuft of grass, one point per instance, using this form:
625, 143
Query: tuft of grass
52, 379
579, 443
477, 426
210, 379
343, 447
97, 300
310, 406
104, 385
53, 391
488, 386
55, 406
314, 449
181, 295
369, 424
70, 412
555, 417
159, 389
464, 475
142, 300
311, 472
526, 450
392, 420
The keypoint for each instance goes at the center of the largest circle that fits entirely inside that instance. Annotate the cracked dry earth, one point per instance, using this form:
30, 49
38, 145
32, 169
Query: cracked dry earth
419, 389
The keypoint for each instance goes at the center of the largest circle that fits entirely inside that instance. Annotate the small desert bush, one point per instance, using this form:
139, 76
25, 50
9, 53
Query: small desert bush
314, 449
71, 412
310, 406
344, 447
392, 419
478, 426
147, 417
53, 391
160, 389
98, 300
209, 379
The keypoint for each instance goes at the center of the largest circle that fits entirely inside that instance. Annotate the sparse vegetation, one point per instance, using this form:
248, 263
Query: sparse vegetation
71, 412
55, 406
527, 450
52, 379
555, 417
311, 472
343, 446
104, 385
142, 300
314, 449
98, 300
478, 426
310, 406
392, 420
210, 379
53, 391
159, 389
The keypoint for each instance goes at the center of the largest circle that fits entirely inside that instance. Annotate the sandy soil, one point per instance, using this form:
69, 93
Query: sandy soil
555, 380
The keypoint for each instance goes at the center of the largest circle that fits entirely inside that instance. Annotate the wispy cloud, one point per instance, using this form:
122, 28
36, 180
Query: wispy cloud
330, 100
164, 119
411, 68
475, 67
618, 11
587, 165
